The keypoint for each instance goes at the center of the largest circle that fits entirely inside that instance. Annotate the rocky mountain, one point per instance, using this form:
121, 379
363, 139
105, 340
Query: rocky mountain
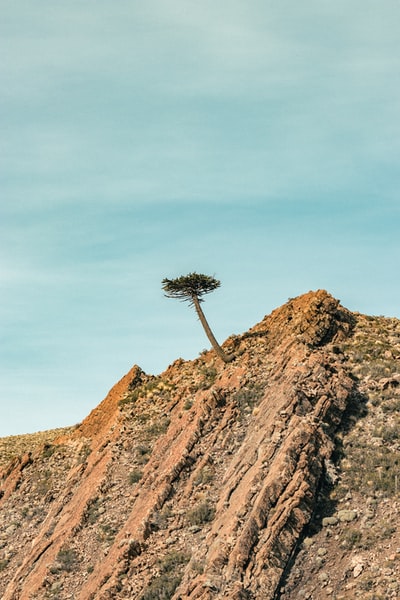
275, 476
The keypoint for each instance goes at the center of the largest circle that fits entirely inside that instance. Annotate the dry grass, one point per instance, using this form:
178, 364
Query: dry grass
13, 446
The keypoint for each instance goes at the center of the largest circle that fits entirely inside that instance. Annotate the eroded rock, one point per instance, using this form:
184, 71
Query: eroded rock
202, 480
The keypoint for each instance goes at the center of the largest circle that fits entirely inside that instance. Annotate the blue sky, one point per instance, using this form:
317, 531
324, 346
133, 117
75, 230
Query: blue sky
258, 141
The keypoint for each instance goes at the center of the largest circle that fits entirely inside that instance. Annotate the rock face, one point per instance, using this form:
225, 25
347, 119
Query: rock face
200, 483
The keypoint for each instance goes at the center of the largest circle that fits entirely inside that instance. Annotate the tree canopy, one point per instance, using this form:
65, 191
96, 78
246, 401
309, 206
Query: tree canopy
187, 287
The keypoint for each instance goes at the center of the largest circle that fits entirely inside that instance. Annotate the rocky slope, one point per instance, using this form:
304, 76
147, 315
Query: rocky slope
13, 446
271, 477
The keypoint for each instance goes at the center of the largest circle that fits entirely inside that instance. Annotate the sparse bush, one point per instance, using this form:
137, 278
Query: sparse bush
106, 533
371, 469
155, 387
351, 538
32, 513
248, 396
173, 560
158, 427
84, 453
391, 406
135, 476
142, 454
66, 560
200, 514
209, 375
160, 519
3, 564
163, 587
387, 529
367, 584
204, 476
54, 593
48, 450
92, 511
43, 484
143, 417
188, 404
390, 433
130, 398
198, 566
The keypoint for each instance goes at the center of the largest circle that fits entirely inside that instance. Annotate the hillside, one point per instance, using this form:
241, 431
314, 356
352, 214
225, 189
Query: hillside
275, 476
13, 446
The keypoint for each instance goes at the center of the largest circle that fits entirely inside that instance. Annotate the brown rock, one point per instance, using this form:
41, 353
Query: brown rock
201, 482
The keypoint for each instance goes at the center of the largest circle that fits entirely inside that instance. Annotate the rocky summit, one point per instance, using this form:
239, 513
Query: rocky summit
274, 476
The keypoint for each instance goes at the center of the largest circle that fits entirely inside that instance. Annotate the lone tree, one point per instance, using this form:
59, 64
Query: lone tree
191, 288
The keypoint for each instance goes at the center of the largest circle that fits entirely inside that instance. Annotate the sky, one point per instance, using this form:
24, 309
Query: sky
255, 141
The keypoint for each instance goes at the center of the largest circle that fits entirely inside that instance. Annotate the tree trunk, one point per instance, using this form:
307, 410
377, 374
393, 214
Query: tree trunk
225, 357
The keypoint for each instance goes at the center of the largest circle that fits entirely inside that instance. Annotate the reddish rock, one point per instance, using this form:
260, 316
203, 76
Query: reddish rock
200, 481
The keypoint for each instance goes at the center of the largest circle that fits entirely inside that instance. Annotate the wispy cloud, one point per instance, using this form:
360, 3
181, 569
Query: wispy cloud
197, 99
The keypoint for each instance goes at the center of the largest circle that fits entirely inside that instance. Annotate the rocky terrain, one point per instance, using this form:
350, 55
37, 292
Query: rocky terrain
275, 476
13, 446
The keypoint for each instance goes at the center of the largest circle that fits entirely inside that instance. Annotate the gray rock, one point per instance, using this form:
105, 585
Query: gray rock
346, 516
326, 521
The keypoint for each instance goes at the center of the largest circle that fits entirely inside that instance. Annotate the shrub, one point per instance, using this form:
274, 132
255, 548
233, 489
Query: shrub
135, 476
142, 454
106, 533
391, 406
43, 484
164, 586
351, 538
66, 560
3, 564
48, 450
200, 514
92, 511
84, 453
158, 427
247, 397
160, 519
204, 476
390, 433
209, 375
154, 387
171, 561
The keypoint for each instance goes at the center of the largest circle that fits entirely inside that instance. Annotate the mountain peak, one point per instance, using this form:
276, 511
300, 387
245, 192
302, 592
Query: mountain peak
212, 479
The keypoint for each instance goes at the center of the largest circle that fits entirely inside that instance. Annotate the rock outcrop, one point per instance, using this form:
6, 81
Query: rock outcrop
200, 483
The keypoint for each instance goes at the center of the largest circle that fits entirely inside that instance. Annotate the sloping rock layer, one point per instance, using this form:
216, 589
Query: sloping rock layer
199, 483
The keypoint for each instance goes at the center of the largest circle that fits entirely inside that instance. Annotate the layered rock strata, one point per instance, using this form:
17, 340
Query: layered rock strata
198, 483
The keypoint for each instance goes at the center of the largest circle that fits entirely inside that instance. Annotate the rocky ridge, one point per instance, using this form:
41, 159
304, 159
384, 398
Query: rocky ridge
274, 476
